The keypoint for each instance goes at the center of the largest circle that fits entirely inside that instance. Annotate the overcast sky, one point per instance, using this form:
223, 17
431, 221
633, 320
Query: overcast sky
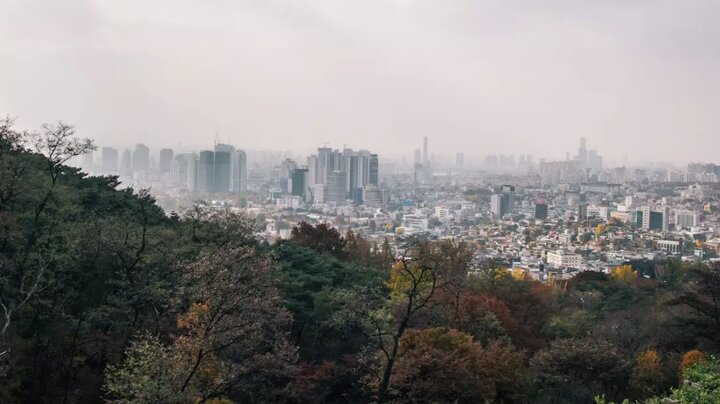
636, 77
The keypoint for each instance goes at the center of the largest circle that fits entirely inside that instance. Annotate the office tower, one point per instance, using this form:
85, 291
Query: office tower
312, 163
126, 165
223, 168
336, 187
206, 167
221, 172
460, 159
541, 210
425, 161
582, 153
186, 171
287, 167
319, 193
299, 182
109, 158
141, 158
180, 171
686, 219
561, 172
502, 203
374, 170
496, 206
325, 162
644, 218
87, 160
240, 173
582, 212
374, 197
166, 161
418, 156
656, 221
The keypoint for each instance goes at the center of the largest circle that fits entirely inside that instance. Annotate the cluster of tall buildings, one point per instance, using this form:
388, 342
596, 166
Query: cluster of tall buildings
332, 175
588, 159
561, 172
571, 171
221, 170
501, 203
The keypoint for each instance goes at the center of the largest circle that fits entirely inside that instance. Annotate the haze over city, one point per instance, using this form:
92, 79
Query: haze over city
637, 78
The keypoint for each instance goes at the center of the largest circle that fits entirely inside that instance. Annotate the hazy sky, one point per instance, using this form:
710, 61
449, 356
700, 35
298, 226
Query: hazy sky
640, 77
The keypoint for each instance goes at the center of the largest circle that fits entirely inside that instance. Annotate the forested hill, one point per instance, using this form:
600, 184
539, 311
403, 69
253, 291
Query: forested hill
105, 298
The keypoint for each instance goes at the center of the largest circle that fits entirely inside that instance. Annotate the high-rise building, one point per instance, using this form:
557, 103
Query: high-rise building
418, 156
582, 157
541, 210
221, 172
126, 165
141, 158
87, 160
374, 170
359, 168
240, 172
561, 172
460, 159
299, 185
109, 158
374, 197
686, 219
319, 193
426, 157
312, 162
502, 203
186, 171
166, 161
336, 191
206, 167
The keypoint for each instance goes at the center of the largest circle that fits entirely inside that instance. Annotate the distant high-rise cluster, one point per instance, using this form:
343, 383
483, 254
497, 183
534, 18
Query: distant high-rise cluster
221, 170
423, 170
335, 176
561, 172
588, 158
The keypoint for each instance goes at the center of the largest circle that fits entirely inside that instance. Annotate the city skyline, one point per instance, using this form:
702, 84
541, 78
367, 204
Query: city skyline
493, 77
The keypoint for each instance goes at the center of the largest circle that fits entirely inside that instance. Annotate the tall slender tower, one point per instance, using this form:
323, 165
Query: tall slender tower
425, 150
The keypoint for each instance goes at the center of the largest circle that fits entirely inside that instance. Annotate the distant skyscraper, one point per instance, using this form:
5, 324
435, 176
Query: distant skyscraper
87, 160
460, 159
582, 157
126, 165
240, 173
141, 158
418, 156
221, 172
426, 157
299, 183
374, 197
312, 162
686, 219
336, 190
166, 161
541, 210
502, 203
374, 170
186, 171
109, 158
206, 167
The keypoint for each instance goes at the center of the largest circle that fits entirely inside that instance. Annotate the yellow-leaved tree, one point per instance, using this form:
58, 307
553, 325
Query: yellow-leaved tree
648, 377
625, 273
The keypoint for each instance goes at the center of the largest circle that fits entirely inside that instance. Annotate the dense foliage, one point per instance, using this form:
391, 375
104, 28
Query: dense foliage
104, 297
